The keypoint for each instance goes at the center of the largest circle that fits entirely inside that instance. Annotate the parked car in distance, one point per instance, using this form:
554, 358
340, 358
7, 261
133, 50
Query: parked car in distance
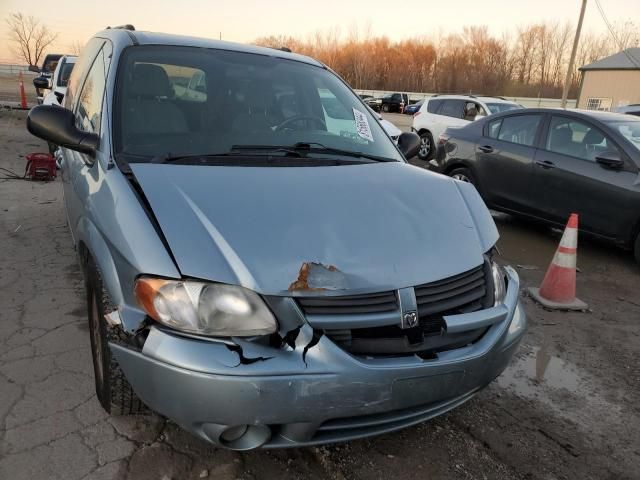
633, 109
58, 82
259, 268
41, 82
413, 107
364, 96
374, 103
441, 111
57, 86
394, 102
549, 163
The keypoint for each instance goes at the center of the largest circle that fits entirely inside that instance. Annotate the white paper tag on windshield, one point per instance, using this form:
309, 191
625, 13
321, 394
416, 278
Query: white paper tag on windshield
362, 125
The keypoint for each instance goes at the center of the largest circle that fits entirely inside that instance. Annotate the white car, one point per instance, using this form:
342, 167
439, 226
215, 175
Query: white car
442, 111
58, 82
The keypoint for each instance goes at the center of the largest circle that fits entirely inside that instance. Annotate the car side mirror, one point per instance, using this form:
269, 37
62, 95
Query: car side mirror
41, 82
409, 144
56, 125
610, 160
34, 68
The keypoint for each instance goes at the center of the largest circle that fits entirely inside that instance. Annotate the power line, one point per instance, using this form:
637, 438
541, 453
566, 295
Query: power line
633, 60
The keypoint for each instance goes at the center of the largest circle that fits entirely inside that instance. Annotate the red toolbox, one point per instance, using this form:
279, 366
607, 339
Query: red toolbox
41, 166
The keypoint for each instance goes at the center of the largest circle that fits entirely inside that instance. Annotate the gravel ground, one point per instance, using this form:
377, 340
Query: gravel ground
566, 408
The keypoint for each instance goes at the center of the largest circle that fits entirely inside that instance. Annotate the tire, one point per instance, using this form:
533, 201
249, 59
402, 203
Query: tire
427, 150
464, 175
385, 108
636, 249
112, 388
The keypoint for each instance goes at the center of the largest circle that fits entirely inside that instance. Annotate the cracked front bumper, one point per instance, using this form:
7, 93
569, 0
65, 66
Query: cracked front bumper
324, 396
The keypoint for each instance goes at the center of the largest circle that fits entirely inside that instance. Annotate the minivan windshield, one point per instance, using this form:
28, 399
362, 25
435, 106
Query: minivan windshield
184, 101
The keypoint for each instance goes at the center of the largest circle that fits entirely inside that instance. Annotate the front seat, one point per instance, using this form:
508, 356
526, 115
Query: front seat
149, 106
562, 141
592, 138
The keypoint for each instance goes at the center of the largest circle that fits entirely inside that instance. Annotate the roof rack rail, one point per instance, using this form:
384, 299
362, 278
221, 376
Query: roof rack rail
127, 26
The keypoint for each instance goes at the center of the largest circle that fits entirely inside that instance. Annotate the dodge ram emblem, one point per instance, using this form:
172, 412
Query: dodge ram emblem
410, 319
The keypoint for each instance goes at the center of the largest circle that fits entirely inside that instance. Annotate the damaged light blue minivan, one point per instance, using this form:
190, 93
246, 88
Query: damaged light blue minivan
262, 265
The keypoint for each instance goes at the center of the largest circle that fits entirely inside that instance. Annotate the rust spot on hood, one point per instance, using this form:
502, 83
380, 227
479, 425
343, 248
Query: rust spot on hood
314, 276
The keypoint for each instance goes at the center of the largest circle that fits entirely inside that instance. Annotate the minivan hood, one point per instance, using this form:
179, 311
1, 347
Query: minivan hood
317, 230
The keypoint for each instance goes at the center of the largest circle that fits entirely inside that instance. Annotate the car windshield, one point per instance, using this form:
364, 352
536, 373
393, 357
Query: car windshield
65, 73
502, 107
630, 129
187, 101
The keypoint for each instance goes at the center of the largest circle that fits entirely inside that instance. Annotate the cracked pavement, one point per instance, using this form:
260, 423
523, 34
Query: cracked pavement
579, 418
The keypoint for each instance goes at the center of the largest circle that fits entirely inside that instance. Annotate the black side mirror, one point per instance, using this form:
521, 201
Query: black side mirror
610, 160
56, 125
41, 82
33, 68
409, 144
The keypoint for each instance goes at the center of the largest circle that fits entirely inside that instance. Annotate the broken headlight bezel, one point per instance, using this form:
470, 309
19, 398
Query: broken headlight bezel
205, 308
499, 277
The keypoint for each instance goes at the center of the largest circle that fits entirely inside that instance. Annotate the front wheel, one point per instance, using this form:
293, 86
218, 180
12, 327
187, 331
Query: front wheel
464, 175
426, 146
385, 108
112, 388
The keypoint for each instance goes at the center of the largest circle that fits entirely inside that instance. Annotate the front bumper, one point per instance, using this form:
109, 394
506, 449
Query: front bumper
314, 393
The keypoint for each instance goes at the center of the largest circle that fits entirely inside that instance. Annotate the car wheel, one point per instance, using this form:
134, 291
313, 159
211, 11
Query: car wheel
464, 175
385, 108
426, 146
636, 250
112, 388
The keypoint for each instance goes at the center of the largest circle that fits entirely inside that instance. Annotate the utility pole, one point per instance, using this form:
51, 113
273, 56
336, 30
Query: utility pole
567, 80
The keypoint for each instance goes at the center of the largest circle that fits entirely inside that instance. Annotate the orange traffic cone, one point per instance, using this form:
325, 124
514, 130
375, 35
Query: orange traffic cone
23, 96
558, 289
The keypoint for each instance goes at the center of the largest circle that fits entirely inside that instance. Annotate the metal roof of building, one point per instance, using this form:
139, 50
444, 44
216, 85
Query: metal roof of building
628, 59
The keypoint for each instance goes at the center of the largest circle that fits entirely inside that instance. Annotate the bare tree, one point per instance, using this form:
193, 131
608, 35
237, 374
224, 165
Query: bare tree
76, 47
30, 38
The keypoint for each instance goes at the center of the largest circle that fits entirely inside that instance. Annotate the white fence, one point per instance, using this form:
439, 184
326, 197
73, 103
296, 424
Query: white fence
8, 69
524, 101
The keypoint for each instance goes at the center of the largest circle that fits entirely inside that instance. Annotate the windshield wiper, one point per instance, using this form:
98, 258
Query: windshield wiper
302, 148
203, 157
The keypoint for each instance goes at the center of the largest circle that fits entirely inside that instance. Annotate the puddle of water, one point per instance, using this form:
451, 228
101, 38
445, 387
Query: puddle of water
562, 387
537, 370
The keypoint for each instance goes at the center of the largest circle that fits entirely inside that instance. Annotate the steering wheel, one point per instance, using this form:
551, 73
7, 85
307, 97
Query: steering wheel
297, 118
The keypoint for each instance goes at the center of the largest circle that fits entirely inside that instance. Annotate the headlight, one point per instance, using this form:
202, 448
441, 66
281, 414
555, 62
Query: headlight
499, 284
205, 308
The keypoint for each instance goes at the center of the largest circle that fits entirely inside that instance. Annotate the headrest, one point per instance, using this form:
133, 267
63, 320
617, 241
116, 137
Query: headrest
593, 137
150, 81
562, 135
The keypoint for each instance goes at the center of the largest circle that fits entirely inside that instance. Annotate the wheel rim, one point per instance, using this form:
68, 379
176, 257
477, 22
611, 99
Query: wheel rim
462, 177
97, 344
425, 146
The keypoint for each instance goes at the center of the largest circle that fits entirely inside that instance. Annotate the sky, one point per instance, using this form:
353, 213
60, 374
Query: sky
246, 20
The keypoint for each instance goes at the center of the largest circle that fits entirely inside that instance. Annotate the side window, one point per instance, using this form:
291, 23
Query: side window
577, 139
85, 61
494, 128
520, 129
433, 106
89, 110
452, 108
395, 97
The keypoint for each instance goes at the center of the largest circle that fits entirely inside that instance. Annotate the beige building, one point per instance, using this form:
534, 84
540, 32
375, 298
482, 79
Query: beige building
611, 82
